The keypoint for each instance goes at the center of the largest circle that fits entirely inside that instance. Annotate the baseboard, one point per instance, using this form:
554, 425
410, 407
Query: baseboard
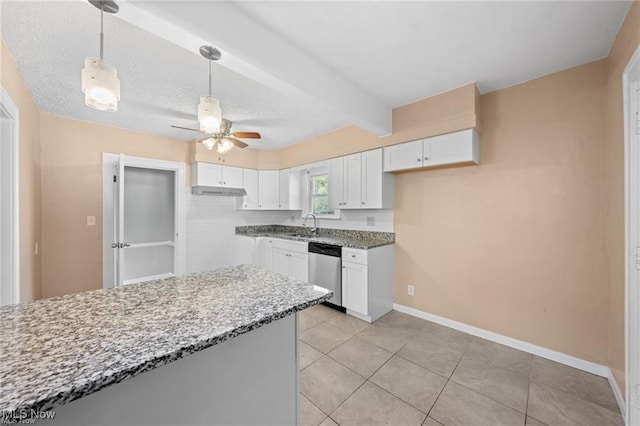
562, 358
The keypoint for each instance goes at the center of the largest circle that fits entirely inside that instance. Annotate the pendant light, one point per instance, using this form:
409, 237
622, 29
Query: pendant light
209, 112
224, 146
209, 143
100, 83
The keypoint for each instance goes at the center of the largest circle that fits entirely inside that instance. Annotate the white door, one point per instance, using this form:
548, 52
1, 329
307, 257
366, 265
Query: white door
299, 266
250, 181
280, 261
372, 179
232, 177
352, 181
451, 148
336, 183
283, 189
403, 156
354, 287
143, 228
269, 189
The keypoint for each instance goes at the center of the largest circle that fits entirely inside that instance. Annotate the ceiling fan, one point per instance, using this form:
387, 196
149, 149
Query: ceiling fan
216, 129
225, 138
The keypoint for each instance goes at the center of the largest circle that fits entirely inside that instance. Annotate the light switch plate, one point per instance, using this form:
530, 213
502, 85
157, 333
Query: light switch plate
410, 290
91, 221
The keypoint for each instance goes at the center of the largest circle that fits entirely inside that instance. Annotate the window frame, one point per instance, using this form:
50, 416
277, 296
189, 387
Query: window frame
308, 202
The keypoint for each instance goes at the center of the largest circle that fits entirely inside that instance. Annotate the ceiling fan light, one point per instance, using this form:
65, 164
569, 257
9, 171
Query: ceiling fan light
225, 146
209, 143
209, 115
100, 85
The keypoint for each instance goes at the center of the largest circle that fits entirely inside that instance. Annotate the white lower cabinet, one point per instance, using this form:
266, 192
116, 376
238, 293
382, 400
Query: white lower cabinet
367, 281
290, 258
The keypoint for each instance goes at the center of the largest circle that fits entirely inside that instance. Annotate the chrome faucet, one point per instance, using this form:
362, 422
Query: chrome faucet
314, 230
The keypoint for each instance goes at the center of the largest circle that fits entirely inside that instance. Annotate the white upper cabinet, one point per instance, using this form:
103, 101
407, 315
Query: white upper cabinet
294, 192
207, 174
404, 156
250, 178
232, 177
453, 148
377, 186
283, 190
336, 183
352, 181
269, 189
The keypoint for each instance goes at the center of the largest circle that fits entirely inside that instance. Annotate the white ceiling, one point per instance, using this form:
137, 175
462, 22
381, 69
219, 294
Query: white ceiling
291, 70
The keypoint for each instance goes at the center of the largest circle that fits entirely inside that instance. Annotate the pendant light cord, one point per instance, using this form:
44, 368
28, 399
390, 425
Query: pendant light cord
101, 30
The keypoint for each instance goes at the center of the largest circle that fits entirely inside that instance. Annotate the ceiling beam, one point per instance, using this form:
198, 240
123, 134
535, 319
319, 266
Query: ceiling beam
251, 49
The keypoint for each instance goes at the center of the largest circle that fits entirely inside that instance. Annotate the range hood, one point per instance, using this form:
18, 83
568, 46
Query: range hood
223, 191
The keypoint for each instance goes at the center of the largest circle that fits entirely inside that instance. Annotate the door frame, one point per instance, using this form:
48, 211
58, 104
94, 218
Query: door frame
630, 84
108, 216
11, 162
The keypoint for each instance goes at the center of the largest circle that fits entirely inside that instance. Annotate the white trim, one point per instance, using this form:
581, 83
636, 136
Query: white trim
562, 358
617, 393
10, 108
108, 222
632, 239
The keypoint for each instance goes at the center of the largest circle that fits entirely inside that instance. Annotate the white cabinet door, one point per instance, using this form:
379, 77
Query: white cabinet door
452, 148
280, 262
372, 179
354, 287
206, 174
232, 177
299, 266
250, 180
283, 183
403, 156
269, 189
295, 190
352, 181
336, 183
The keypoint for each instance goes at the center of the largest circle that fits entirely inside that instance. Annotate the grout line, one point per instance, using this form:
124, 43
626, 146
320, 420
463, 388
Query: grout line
526, 409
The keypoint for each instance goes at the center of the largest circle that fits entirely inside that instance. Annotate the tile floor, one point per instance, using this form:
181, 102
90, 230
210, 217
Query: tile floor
402, 370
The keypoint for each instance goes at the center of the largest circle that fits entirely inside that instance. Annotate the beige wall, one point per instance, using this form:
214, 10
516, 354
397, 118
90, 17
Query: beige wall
72, 190
29, 164
625, 44
516, 244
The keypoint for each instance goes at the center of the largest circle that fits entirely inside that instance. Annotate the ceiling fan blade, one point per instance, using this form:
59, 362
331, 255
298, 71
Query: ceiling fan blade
186, 128
238, 143
246, 135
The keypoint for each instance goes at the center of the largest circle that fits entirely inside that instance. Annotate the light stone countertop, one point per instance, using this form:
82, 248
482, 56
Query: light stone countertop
56, 350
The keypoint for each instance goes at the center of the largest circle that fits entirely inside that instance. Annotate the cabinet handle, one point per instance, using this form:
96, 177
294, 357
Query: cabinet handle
426, 158
260, 205
363, 203
219, 181
353, 255
224, 183
419, 160
343, 267
245, 205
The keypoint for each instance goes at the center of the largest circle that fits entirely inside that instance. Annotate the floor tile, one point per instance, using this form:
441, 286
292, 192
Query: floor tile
313, 316
327, 383
454, 338
578, 383
430, 422
555, 407
328, 422
362, 357
433, 353
371, 405
307, 354
458, 405
500, 356
507, 387
395, 319
324, 337
409, 382
533, 422
387, 338
347, 323
310, 415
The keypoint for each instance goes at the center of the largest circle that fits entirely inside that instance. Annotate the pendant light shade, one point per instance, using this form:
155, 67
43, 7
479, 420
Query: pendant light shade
100, 85
209, 115
224, 146
209, 143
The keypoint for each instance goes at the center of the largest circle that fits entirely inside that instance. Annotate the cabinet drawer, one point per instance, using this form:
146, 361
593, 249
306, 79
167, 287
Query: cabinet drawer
354, 255
295, 246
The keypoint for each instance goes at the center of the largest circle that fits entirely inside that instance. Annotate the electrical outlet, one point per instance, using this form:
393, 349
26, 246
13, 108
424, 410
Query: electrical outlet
410, 290
371, 221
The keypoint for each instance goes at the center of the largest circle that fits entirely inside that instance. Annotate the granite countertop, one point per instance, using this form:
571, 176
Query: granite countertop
341, 237
56, 350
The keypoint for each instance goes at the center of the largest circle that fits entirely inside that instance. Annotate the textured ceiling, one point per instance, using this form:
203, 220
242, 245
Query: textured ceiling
398, 52
160, 82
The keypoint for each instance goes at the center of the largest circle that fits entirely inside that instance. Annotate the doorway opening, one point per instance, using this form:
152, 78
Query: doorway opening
143, 219
9, 225
631, 92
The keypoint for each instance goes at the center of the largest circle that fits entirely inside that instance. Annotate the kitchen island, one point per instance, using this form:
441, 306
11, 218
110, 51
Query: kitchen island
208, 348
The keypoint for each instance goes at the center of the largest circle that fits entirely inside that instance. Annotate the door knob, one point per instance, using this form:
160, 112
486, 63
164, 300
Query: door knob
115, 245
126, 245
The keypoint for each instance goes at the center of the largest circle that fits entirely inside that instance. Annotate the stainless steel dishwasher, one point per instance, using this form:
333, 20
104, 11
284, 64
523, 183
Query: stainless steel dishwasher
325, 270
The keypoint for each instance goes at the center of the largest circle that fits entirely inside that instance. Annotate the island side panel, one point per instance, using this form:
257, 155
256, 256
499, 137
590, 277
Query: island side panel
249, 380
